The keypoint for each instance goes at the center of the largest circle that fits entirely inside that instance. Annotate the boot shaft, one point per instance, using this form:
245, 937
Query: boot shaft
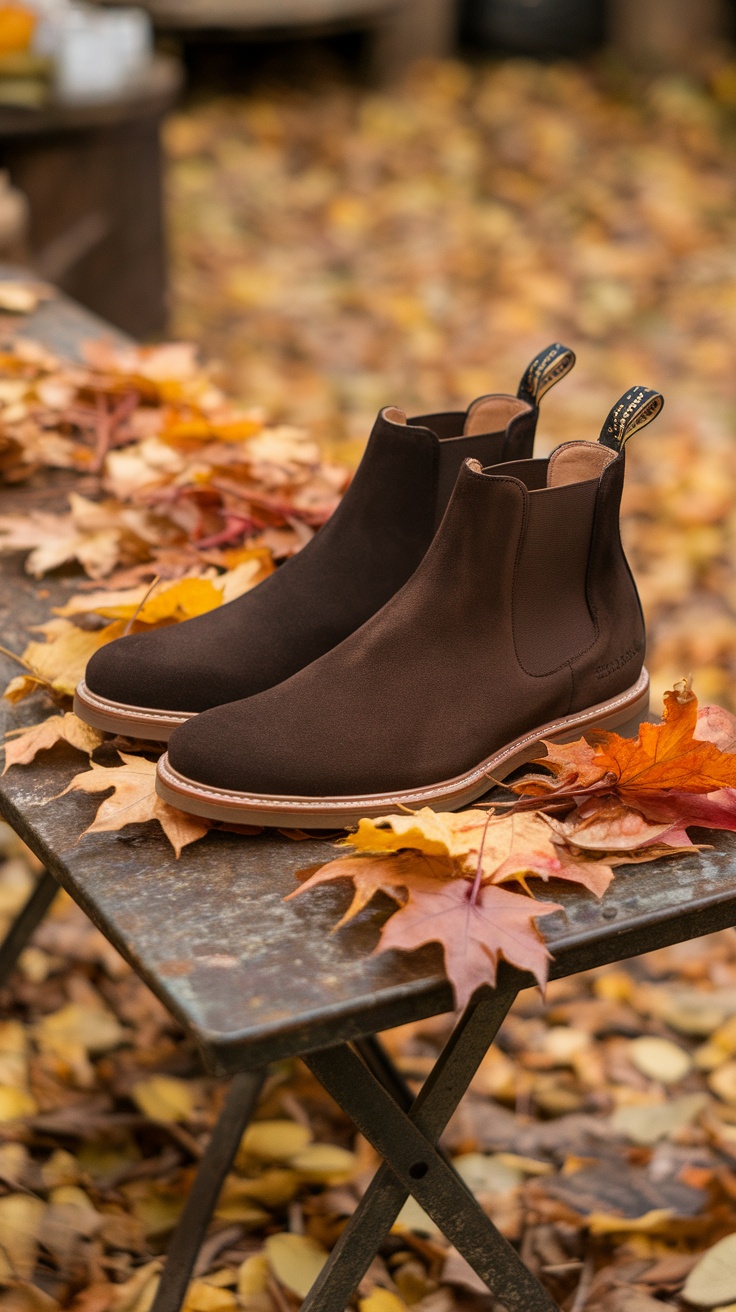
410, 466
534, 547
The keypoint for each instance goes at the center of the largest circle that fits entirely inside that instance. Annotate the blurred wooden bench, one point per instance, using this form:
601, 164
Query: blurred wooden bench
92, 172
255, 980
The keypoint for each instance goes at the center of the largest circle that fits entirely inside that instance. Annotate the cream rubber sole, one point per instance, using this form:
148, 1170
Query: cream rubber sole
132, 721
624, 712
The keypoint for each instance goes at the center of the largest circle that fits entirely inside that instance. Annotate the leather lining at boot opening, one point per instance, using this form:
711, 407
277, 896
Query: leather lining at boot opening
492, 414
576, 462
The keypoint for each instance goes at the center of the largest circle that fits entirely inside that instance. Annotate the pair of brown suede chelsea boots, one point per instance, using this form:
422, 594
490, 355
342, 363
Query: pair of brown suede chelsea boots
464, 602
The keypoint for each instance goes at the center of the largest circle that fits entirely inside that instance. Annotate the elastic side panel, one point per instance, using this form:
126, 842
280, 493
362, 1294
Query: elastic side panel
532, 473
487, 448
449, 423
552, 622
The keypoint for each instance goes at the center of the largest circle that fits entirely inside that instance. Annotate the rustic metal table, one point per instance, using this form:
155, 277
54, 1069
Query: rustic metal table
254, 979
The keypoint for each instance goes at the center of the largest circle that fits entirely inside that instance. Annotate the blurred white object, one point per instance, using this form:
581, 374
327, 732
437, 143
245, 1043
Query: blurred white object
98, 53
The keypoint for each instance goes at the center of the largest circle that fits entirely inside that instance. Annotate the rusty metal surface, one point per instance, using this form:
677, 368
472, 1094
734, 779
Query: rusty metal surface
60, 324
255, 978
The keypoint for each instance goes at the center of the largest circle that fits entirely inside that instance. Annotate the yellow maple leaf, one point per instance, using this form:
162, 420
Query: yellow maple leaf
179, 601
505, 847
192, 595
60, 662
26, 743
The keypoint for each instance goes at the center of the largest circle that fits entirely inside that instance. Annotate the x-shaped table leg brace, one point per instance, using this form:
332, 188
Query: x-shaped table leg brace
414, 1165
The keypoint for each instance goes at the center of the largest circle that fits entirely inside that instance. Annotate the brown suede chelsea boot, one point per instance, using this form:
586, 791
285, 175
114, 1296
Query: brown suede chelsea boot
146, 684
521, 623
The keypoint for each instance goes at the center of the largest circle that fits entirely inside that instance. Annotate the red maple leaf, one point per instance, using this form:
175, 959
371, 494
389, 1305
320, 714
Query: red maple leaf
476, 924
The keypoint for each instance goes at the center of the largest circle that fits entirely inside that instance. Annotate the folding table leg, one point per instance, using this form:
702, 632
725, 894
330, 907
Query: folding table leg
378, 1061
25, 922
414, 1165
192, 1225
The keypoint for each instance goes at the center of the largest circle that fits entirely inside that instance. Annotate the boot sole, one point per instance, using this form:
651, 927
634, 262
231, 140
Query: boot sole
132, 721
624, 712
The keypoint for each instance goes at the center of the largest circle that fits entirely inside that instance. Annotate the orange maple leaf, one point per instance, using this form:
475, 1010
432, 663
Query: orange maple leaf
684, 754
667, 755
389, 873
26, 743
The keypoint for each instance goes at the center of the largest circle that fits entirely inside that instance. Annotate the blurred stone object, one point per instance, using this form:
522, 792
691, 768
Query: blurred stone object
400, 30
91, 170
670, 34
537, 27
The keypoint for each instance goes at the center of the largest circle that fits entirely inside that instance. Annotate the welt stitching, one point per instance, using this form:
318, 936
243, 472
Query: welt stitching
133, 712
410, 795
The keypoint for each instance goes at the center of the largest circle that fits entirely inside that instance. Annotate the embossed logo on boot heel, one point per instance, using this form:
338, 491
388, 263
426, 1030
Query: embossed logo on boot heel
602, 671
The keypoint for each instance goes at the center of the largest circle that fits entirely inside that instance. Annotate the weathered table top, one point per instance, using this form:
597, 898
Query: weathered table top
252, 977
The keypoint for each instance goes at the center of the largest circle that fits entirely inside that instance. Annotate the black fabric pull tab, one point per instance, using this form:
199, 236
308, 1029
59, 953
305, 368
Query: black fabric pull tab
637, 408
545, 370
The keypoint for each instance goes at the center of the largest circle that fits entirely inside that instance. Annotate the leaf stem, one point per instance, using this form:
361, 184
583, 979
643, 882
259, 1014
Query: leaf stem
475, 890
140, 606
5, 651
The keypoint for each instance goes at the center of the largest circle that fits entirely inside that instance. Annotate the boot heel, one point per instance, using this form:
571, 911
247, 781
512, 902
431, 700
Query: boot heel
630, 728
623, 719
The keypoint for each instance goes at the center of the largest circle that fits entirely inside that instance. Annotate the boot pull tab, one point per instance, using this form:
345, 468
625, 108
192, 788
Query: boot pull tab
546, 369
637, 408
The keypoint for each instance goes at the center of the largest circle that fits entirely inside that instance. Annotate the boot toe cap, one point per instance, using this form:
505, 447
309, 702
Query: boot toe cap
261, 746
141, 670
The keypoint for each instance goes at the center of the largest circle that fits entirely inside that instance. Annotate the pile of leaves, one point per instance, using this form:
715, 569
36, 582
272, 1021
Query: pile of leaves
187, 501
617, 802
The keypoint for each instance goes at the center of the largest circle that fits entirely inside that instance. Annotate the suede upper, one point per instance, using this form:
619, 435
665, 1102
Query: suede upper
522, 611
364, 554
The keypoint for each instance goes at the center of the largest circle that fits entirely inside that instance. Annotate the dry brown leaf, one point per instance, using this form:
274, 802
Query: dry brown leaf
26, 743
370, 875
295, 1260
135, 801
712, 1281
164, 1098
59, 662
603, 824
